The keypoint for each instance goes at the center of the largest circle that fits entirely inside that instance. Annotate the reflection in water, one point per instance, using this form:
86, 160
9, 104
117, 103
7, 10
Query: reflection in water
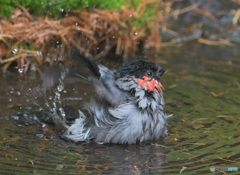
35, 148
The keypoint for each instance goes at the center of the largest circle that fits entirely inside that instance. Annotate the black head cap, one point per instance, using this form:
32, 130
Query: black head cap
140, 68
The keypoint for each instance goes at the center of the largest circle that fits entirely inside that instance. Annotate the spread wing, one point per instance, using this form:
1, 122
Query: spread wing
85, 70
102, 78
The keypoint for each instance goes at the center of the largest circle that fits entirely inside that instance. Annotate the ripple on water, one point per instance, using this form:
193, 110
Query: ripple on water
203, 95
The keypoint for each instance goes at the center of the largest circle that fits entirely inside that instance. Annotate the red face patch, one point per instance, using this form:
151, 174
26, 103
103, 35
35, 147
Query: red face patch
150, 84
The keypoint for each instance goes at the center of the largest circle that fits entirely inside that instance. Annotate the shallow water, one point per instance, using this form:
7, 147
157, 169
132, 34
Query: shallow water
202, 90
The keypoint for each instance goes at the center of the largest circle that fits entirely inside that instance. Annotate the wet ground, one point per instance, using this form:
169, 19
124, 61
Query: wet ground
202, 90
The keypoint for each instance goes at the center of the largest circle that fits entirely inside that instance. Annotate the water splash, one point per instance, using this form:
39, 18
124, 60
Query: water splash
51, 101
57, 100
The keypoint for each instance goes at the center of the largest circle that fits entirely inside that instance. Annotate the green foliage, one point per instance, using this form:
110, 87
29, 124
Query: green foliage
149, 13
58, 8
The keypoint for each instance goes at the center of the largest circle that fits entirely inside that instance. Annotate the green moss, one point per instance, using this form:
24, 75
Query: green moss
57, 8
60, 8
148, 15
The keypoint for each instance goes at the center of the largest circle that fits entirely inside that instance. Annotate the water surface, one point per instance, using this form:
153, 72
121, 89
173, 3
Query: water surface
202, 90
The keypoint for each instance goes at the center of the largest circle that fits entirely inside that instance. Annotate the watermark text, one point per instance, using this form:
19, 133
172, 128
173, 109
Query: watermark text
213, 168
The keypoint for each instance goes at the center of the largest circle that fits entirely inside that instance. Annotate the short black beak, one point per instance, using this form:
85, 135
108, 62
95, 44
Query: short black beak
161, 71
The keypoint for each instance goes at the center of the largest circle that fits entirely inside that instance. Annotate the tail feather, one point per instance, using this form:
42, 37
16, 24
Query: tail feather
78, 130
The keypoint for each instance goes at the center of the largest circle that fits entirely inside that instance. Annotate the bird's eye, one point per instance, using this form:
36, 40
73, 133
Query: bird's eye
149, 73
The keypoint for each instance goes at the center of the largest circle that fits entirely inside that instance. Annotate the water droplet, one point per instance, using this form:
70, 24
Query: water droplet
62, 112
61, 10
20, 70
39, 53
40, 135
58, 95
15, 51
44, 125
60, 88
15, 117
